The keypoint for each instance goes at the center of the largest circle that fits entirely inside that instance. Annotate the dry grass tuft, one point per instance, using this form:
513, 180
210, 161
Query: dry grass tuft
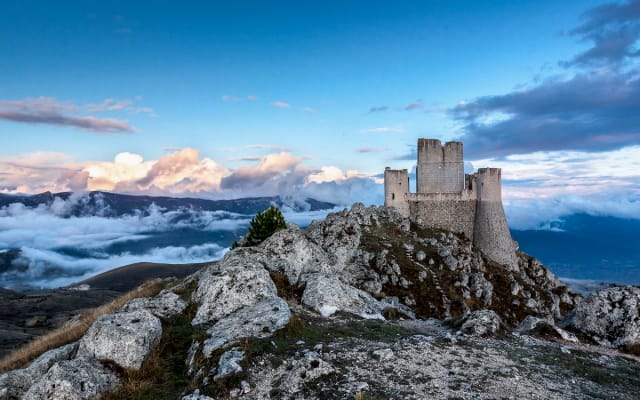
74, 330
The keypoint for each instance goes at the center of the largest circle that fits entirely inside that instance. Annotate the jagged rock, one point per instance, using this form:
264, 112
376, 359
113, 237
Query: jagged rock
14, 384
327, 294
533, 324
259, 320
229, 363
611, 316
81, 378
238, 281
165, 305
125, 338
482, 323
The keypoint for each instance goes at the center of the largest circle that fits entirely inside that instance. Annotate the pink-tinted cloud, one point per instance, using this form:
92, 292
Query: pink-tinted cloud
269, 167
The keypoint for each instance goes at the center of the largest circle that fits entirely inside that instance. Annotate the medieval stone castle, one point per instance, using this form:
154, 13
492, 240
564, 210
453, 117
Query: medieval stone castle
448, 199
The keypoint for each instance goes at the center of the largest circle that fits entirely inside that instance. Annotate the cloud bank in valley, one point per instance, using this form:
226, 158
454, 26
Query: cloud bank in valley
57, 249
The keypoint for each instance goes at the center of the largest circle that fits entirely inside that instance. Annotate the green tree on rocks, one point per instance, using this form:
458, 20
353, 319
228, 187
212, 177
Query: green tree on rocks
263, 225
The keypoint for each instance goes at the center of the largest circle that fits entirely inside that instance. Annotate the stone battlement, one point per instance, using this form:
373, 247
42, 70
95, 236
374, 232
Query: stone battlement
448, 199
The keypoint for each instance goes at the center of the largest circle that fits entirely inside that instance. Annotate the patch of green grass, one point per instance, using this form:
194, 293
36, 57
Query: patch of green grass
283, 342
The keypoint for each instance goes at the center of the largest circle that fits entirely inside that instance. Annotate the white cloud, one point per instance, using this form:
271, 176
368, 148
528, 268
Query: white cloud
280, 104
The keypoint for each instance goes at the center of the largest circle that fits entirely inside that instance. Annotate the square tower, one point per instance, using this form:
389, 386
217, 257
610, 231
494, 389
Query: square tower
440, 169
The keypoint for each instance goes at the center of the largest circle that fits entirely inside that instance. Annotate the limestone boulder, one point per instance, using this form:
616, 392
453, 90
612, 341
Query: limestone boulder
125, 338
76, 379
611, 316
14, 384
327, 294
238, 281
291, 252
482, 323
259, 320
165, 305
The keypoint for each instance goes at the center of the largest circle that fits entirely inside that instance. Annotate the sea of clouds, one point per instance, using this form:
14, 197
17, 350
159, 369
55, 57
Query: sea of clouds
57, 249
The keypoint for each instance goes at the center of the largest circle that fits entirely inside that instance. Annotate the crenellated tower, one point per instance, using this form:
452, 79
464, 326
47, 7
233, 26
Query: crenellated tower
448, 199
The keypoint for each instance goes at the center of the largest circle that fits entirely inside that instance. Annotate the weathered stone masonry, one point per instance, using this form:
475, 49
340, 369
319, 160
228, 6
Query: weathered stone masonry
448, 199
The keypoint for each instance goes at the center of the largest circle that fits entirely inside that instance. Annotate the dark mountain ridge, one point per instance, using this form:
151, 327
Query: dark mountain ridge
109, 204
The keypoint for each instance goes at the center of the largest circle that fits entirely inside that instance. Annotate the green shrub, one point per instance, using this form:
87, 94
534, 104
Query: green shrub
263, 225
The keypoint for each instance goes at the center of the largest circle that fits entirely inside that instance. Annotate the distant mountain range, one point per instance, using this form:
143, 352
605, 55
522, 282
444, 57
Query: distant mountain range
107, 204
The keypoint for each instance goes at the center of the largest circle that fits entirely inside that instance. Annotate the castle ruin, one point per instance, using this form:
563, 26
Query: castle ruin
447, 198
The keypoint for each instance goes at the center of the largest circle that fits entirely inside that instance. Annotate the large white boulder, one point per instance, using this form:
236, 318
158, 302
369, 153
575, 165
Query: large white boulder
327, 294
291, 252
125, 338
611, 316
77, 379
239, 281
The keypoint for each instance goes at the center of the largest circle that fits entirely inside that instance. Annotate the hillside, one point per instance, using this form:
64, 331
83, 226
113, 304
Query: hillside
362, 305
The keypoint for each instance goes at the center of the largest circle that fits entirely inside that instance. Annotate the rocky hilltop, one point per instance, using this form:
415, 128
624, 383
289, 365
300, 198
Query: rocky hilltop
363, 305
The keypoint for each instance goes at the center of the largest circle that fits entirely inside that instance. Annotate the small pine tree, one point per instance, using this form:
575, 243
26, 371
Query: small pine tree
263, 225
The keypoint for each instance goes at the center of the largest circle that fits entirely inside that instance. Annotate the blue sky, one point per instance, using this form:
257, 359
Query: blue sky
224, 99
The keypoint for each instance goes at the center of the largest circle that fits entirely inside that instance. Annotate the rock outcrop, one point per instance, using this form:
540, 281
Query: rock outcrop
611, 316
306, 315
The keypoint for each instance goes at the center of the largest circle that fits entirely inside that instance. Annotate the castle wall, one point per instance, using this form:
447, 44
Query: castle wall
440, 169
491, 231
396, 189
454, 212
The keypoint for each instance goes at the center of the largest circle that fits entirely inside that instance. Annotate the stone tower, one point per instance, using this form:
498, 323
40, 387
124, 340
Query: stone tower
448, 199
